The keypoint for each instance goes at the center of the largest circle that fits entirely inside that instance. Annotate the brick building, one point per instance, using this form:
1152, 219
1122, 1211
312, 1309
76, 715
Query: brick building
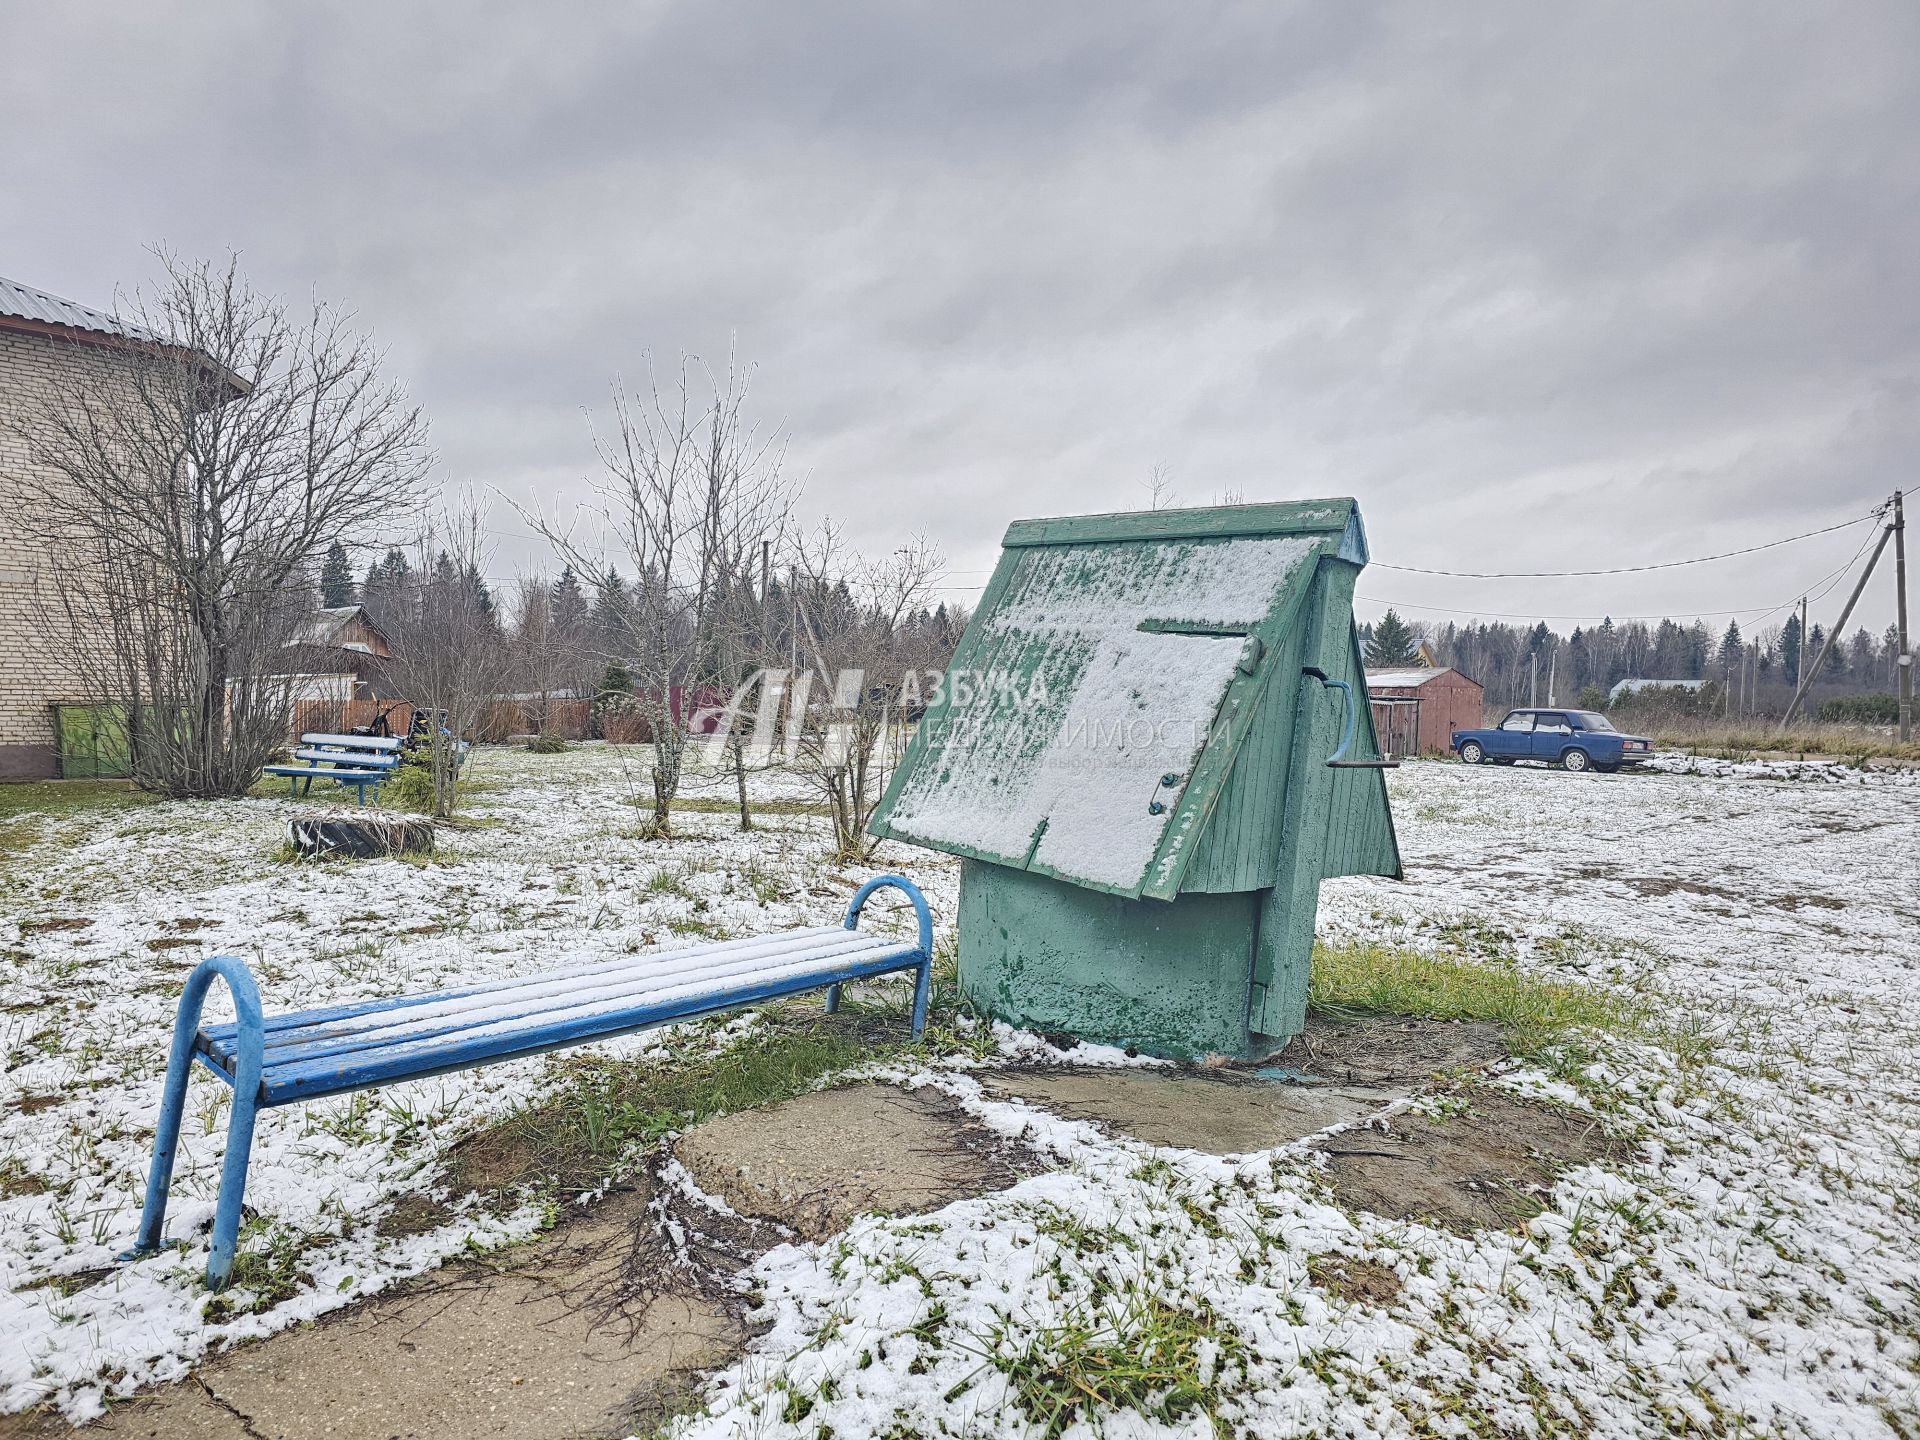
47, 346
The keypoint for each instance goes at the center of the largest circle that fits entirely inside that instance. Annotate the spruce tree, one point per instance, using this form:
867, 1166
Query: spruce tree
1790, 650
1393, 642
336, 577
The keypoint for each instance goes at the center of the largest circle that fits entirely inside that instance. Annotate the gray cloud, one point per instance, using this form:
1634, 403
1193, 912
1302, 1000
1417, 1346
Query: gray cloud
1564, 285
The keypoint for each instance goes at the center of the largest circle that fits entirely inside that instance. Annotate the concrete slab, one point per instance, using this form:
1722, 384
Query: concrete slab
815, 1162
550, 1343
1223, 1114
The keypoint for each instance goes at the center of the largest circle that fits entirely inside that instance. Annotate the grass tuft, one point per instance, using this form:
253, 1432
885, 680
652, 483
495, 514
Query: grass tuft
1130, 1352
575, 1140
1542, 1018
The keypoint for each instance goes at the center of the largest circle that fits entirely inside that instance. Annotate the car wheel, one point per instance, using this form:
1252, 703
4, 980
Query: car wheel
1471, 753
1575, 760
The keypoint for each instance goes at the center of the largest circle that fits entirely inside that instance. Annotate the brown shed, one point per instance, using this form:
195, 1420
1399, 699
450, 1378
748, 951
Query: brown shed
1416, 709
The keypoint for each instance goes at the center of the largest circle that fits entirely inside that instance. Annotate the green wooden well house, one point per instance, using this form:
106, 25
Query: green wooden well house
1152, 745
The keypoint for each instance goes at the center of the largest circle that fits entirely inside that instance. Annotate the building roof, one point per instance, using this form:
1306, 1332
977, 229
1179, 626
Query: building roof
1111, 673
24, 302
1629, 686
1406, 678
324, 625
31, 311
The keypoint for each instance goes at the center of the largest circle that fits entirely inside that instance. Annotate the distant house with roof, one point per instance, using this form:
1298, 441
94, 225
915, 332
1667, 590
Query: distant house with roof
1416, 708
1634, 686
336, 654
48, 347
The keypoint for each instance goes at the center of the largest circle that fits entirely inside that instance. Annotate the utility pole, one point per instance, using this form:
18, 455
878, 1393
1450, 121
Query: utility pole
1808, 673
1800, 646
1905, 658
1533, 678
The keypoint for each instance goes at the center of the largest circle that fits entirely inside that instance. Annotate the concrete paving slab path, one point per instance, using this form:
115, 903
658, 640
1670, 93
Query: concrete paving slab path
1222, 1115
549, 1343
815, 1162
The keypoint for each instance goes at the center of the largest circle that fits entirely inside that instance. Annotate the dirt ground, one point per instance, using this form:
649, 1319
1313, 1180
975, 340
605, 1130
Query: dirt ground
1479, 1167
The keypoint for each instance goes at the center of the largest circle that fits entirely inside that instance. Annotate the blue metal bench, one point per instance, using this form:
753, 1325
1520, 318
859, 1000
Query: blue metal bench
283, 1059
359, 761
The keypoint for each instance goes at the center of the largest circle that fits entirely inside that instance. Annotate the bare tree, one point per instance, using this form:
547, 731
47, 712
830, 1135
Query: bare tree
851, 626
184, 491
544, 651
689, 491
449, 657
1159, 487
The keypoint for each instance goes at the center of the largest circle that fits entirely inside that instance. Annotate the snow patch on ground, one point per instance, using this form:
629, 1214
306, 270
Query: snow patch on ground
1752, 1267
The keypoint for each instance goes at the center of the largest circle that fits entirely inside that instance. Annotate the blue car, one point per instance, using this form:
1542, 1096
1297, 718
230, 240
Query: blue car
1571, 739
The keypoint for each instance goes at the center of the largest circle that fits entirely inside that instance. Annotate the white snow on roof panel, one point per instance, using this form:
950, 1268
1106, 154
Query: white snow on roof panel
1403, 679
1076, 713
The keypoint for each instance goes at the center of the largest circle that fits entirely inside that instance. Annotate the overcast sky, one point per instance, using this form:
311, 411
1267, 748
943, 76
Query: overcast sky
1545, 286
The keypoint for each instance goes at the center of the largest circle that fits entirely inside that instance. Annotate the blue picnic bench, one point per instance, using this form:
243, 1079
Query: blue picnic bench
359, 761
283, 1059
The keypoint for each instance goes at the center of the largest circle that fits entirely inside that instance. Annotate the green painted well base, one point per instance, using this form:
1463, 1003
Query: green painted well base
1168, 978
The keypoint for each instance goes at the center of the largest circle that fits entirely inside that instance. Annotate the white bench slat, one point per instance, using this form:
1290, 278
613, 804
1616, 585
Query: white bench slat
363, 742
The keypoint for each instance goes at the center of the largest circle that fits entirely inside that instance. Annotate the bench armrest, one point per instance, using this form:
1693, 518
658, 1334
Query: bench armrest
905, 887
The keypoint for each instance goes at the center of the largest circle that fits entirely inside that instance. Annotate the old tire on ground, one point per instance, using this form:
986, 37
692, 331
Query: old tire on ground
1575, 759
1606, 769
359, 837
1471, 753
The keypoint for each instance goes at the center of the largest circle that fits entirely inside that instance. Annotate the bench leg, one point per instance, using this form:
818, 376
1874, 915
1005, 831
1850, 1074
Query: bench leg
173, 1097
833, 999
922, 986
233, 1188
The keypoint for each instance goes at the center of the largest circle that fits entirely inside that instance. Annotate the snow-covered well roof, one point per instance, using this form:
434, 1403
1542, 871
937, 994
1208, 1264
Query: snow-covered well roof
1097, 703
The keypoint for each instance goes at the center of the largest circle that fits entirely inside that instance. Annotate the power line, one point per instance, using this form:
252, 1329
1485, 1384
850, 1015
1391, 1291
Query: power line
1816, 591
1873, 514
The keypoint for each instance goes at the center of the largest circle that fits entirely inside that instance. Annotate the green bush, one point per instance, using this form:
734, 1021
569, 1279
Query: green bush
548, 745
411, 786
1860, 710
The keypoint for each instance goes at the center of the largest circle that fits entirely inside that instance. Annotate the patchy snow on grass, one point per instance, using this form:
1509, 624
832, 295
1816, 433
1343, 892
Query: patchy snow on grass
104, 915
1751, 1269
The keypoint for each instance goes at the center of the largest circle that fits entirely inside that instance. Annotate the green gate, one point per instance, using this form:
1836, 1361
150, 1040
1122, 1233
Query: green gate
92, 742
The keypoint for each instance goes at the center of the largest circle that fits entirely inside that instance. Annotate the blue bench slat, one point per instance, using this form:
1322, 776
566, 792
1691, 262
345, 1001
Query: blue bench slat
367, 760
340, 772
274, 1027
405, 1025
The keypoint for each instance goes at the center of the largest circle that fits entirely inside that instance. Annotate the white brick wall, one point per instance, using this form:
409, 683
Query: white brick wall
34, 369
